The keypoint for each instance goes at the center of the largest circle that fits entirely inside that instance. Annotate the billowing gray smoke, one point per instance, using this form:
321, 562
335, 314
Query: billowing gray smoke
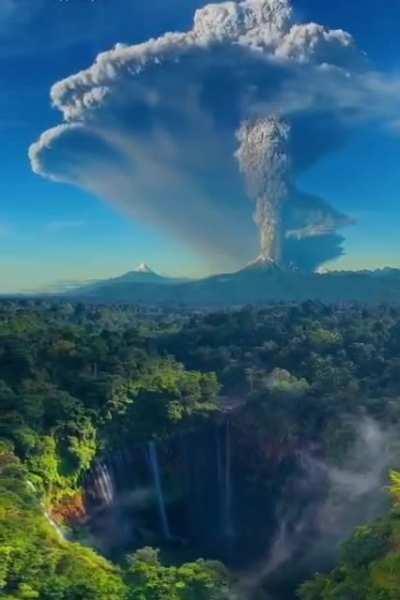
153, 129
263, 156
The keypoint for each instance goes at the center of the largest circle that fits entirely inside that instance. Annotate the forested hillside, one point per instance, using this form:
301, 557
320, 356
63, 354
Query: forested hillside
240, 437
68, 377
369, 568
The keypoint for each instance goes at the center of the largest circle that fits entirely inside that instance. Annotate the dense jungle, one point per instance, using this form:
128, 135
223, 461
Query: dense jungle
150, 454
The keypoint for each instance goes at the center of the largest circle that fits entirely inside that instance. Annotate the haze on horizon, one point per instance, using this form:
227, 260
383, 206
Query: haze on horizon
169, 139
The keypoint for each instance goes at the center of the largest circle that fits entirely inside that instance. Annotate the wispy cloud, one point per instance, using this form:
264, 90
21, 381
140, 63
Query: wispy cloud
57, 226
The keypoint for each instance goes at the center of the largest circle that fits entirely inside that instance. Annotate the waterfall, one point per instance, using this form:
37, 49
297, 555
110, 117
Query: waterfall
51, 521
281, 550
220, 480
155, 470
104, 484
224, 472
31, 486
228, 520
46, 514
54, 525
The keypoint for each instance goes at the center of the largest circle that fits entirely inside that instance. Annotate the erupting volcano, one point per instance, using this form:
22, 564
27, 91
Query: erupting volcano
263, 158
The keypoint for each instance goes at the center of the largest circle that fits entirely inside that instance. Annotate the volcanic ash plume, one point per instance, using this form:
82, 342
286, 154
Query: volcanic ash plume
153, 128
263, 157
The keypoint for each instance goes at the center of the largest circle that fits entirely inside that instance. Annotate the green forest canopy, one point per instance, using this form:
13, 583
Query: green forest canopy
76, 380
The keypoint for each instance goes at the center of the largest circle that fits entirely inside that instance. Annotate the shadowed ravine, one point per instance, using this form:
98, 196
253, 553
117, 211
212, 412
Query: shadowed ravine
198, 494
219, 493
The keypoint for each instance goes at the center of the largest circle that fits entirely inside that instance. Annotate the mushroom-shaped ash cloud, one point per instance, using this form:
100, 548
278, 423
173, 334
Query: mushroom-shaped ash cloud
166, 129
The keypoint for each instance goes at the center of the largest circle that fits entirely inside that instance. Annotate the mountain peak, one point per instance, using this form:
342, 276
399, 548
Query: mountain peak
144, 268
259, 264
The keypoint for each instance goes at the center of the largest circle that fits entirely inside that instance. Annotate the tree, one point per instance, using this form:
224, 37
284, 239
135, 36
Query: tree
201, 580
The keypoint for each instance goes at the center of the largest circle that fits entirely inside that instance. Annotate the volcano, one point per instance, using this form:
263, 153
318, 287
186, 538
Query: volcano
260, 264
260, 282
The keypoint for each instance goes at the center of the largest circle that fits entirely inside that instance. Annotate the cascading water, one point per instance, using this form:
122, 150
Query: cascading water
218, 502
53, 524
228, 526
155, 470
104, 484
46, 513
224, 479
220, 480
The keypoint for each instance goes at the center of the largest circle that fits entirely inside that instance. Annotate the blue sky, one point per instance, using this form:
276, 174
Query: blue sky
53, 232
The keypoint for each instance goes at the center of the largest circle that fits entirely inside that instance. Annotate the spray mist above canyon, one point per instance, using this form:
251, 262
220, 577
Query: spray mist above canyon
205, 133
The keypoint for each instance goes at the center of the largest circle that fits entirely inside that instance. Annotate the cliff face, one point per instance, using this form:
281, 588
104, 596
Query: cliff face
220, 491
264, 501
70, 509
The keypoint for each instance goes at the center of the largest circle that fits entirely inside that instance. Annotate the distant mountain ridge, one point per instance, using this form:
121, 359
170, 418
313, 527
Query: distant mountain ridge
258, 283
142, 274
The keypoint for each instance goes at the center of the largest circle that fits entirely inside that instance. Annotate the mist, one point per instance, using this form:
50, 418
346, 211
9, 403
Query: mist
341, 499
